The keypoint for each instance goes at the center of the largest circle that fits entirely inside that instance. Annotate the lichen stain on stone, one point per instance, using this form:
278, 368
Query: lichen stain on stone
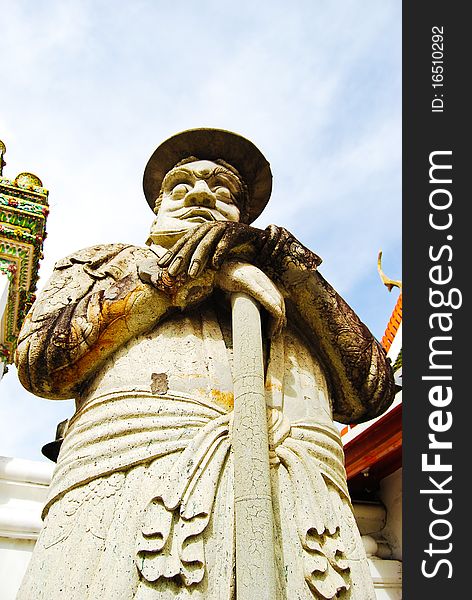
225, 399
159, 383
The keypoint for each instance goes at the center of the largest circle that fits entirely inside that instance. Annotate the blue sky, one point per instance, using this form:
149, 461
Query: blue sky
90, 88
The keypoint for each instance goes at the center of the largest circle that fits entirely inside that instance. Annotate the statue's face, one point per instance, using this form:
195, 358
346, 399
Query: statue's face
195, 193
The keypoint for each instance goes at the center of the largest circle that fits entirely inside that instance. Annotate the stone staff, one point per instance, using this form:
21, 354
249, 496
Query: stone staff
255, 561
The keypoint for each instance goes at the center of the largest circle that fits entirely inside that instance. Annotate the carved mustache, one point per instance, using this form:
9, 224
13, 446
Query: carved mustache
206, 213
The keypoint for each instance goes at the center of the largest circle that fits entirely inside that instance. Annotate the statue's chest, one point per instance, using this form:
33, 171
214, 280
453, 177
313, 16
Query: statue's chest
191, 354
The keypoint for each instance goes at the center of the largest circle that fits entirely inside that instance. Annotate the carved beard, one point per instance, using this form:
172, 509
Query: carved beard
165, 231
165, 238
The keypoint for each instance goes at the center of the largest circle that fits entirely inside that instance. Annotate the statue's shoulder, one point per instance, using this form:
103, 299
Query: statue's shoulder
99, 256
84, 271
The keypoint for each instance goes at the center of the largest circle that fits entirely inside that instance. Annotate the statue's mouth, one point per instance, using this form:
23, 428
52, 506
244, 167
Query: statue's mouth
198, 215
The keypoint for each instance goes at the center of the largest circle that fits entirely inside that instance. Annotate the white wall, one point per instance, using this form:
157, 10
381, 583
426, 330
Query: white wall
14, 558
391, 496
23, 491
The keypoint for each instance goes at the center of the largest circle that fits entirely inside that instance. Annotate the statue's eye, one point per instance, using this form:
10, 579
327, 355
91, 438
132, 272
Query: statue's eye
180, 190
223, 193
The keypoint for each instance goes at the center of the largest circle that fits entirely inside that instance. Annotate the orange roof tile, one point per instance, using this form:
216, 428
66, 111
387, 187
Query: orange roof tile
393, 325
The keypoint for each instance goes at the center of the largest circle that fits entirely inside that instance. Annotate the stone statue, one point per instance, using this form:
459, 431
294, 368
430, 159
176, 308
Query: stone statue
141, 504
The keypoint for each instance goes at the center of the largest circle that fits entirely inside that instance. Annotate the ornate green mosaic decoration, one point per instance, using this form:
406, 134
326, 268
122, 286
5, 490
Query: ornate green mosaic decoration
23, 212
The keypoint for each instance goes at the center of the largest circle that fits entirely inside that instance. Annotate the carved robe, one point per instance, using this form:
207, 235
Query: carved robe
141, 502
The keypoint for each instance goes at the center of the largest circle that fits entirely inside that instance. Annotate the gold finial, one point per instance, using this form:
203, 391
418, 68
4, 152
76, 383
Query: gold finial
2, 152
27, 179
388, 283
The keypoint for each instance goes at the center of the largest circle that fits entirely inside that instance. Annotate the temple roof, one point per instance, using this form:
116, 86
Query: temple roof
373, 450
393, 325
23, 212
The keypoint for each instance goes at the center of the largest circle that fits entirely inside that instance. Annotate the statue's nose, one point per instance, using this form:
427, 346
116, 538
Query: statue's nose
201, 195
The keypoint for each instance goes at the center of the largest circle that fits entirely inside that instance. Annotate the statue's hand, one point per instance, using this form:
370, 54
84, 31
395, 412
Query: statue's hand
209, 245
149, 271
282, 251
243, 277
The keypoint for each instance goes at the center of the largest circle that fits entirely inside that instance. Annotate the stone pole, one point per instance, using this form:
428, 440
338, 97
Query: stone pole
255, 562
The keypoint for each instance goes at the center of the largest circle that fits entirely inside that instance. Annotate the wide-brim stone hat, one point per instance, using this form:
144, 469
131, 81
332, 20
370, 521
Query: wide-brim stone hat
212, 144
